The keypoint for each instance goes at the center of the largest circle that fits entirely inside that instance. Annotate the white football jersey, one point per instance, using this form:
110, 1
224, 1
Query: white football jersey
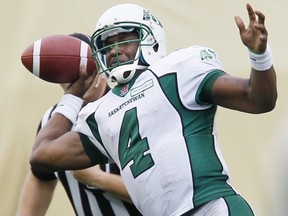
159, 129
88, 200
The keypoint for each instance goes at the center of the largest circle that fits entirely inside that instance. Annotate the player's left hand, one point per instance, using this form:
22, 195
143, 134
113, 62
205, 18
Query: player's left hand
255, 36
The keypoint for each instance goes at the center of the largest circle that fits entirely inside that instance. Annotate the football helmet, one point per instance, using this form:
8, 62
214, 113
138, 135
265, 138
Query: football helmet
127, 18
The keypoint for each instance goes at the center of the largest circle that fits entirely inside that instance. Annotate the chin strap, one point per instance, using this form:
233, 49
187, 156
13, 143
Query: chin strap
117, 74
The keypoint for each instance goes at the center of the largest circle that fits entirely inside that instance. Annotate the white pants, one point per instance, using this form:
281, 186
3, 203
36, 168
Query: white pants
233, 205
216, 207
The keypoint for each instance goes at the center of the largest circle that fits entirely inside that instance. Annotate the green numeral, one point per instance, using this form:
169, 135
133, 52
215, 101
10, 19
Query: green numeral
132, 147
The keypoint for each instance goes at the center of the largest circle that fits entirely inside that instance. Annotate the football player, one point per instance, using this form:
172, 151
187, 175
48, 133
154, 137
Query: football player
158, 121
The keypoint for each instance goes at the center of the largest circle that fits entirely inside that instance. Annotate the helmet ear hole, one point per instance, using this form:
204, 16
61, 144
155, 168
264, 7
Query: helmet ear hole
113, 78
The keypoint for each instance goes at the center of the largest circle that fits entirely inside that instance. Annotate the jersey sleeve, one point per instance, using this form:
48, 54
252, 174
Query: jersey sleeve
95, 155
204, 93
90, 137
197, 69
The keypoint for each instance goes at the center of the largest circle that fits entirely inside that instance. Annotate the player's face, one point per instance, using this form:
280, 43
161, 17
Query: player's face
122, 49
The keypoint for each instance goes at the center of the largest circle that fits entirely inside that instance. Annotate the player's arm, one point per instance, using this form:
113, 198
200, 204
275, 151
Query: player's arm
36, 195
56, 146
257, 94
109, 182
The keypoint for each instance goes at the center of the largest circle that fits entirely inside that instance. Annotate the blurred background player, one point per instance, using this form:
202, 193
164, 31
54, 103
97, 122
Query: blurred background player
98, 190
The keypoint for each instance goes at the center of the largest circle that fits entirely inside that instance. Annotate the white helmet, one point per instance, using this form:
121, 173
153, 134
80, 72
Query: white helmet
126, 18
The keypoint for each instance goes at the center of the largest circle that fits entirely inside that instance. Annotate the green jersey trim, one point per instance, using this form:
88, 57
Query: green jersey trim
95, 155
198, 133
92, 151
204, 92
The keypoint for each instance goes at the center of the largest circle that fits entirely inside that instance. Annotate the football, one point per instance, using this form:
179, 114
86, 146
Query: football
57, 58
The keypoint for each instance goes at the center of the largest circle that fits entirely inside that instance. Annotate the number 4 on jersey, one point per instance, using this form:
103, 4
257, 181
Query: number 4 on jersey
132, 147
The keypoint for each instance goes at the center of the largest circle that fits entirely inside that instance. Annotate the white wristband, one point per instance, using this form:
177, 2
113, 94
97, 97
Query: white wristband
69, 106
261, 62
